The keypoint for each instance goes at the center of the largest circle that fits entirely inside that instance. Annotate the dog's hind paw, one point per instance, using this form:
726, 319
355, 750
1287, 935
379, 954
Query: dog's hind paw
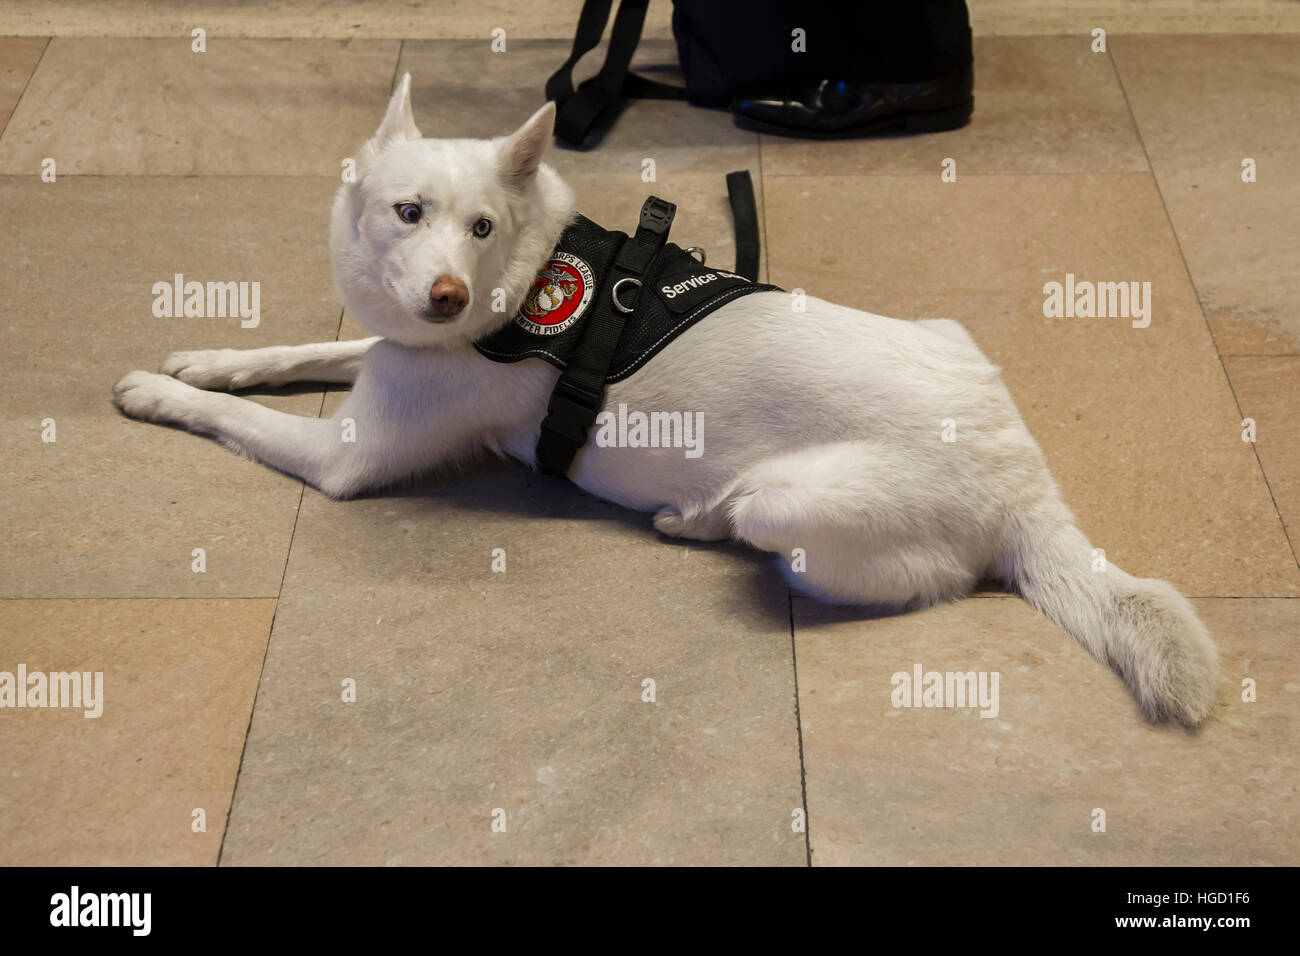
702, 526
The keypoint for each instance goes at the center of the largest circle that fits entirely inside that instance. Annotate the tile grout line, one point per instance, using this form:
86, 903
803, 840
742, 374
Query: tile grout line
1209, 31
239, 768
284, 572
917, 174
789, 592
798, 726
154, 597
302, 491
762, 191
1197, 292
271, 597
332, 177
832, 175
30, 76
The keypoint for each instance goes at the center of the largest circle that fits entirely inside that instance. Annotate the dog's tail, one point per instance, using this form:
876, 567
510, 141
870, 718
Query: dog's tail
1142, 627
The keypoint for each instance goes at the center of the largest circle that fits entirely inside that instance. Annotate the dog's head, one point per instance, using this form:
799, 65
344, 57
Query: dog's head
437, 241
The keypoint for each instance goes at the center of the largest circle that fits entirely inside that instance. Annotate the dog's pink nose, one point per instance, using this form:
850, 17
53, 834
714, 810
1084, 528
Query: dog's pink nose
449, 296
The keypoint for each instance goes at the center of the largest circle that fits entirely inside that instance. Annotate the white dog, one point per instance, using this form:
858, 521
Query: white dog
825, 427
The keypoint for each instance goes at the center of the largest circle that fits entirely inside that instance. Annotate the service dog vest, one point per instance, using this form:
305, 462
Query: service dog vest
603, 305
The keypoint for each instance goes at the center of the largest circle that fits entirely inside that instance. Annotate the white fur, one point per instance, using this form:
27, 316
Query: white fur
823, 426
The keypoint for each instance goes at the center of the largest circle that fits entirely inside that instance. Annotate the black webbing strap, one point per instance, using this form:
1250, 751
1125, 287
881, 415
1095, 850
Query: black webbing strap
580, 391
636, 86
744, 213
578, 109
591, 25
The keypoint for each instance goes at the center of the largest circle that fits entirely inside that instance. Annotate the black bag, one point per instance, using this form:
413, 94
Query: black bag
730, 47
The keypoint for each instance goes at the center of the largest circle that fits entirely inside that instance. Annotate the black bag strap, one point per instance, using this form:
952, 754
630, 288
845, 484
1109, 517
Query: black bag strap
580, 390
578, 109
636, 86
591, 25
744, 213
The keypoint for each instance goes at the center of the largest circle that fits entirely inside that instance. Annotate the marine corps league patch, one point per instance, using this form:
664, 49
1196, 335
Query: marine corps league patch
560, 294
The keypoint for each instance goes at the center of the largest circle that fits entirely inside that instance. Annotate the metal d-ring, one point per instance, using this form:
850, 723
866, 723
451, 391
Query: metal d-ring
694, 249
614, 294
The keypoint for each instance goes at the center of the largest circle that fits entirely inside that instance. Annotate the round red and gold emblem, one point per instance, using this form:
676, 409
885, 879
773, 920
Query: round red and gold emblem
560, 294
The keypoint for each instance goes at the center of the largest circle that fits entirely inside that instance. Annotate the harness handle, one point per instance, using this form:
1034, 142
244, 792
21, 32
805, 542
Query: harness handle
744, 213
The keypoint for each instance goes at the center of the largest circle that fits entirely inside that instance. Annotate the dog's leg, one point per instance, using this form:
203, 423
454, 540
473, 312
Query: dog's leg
398, 421
293, 444
852, 525
231, 369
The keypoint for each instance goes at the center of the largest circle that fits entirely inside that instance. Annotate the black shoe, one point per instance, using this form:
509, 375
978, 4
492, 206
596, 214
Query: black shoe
830, 108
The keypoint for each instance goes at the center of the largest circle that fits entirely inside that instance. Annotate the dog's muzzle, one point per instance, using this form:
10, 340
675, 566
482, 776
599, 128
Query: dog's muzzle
447, 299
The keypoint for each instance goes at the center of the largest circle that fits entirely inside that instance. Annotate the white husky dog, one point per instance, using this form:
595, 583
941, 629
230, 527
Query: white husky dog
825, 428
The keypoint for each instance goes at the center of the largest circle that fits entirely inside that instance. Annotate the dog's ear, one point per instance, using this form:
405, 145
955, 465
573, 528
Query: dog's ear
398, 122
398, 125
521, 151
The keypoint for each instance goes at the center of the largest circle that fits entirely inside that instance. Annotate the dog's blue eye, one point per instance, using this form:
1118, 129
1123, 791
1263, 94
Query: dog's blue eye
408, 211
483, 228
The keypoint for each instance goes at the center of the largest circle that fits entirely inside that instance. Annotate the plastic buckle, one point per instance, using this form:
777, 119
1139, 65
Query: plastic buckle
657, 215
571, 411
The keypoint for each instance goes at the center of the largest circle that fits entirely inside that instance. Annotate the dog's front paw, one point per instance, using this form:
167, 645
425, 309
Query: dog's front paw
154, 398
209, 368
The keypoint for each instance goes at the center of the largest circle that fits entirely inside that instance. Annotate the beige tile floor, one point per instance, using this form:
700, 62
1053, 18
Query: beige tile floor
522, 693
552, 19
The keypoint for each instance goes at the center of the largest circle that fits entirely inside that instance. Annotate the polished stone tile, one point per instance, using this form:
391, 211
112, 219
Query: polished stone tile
897, 786
461, 88
556, 19
1203, 105
519, 691
1042, 105
1055, 17
114, 507
78, 303
1268, 390
121, 789
1138, 424
117, 508
109, 106
18, 59
548, 19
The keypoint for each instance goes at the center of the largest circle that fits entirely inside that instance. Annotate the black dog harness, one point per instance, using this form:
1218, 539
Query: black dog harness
605, 303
